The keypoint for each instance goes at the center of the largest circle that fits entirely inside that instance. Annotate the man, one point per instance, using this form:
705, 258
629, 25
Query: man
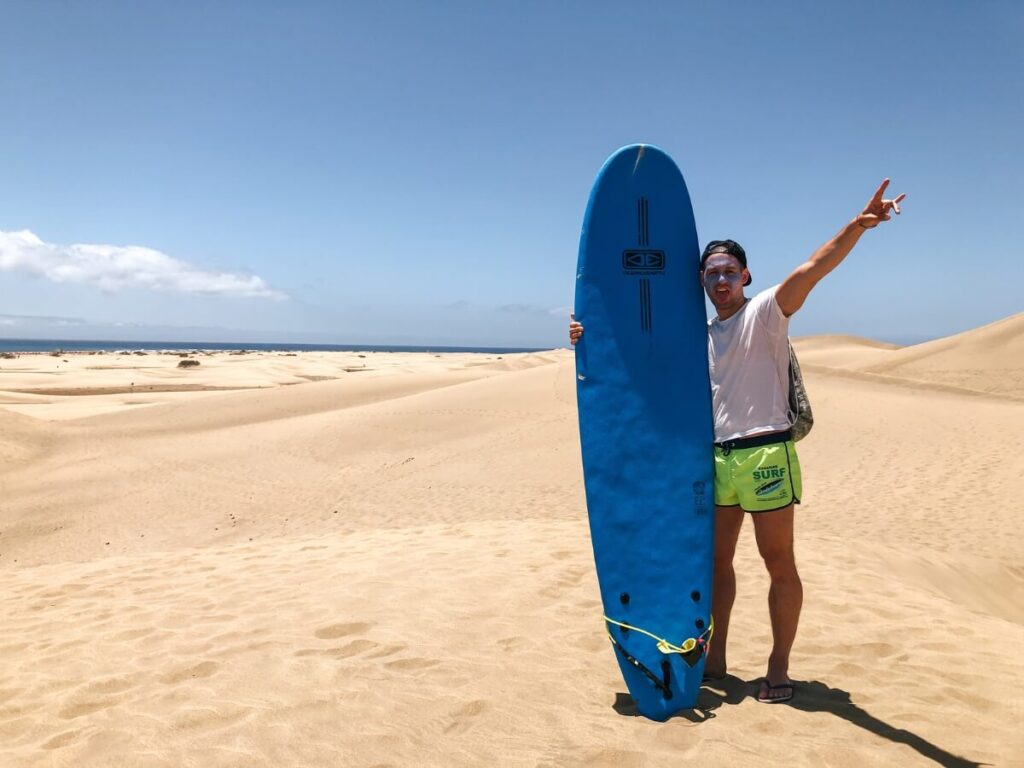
756, 466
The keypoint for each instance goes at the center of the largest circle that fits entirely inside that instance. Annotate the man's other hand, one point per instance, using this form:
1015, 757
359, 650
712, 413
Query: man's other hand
575, 330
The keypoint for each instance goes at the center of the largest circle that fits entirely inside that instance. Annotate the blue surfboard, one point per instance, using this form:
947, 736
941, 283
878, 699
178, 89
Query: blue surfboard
646, 435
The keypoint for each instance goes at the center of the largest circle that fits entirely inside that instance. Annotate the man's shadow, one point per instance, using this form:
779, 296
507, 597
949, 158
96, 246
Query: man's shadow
810, 696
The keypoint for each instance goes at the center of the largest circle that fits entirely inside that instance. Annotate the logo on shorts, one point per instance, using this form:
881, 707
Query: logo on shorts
769, 487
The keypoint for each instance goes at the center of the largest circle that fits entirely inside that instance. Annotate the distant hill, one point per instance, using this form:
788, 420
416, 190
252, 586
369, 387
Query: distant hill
986, 359
998, 346
849, 352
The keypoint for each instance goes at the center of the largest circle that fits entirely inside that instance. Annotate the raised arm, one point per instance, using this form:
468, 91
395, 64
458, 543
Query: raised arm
795, 289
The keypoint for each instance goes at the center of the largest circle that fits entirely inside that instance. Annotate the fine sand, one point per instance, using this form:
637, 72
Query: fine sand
359, 559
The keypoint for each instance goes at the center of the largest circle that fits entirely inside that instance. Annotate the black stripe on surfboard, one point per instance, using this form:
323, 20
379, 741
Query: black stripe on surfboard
647, 291
642, 222
647, 228
645, 306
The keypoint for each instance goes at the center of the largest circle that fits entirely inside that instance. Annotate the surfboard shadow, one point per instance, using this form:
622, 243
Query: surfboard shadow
816, 696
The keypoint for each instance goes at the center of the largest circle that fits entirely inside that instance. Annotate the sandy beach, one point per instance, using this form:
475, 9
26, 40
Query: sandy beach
383, 559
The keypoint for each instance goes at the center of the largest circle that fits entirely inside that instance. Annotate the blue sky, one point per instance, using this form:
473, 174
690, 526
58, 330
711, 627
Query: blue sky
417, 173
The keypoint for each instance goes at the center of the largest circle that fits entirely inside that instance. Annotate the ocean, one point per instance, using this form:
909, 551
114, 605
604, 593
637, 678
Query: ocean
75, 345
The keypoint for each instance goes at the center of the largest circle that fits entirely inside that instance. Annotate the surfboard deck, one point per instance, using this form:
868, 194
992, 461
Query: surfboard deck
644, 403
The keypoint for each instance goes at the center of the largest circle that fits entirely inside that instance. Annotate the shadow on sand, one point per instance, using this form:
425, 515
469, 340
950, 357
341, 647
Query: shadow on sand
811, 696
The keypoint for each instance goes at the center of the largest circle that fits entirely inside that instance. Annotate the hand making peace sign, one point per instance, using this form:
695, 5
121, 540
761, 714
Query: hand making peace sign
877, 209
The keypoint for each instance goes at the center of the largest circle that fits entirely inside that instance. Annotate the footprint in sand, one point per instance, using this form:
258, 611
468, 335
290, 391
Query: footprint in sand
60, 740
84, 708
205, 669
463, 717
386, 650
341, 652
205, 718
335, 631
134, 634
113, 684
412, 665
7, 694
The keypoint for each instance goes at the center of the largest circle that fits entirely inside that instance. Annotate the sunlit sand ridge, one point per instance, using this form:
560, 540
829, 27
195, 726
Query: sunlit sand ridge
328, 559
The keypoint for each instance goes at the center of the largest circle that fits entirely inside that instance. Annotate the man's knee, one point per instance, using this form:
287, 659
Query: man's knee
723, 568
774, 533
779, 559
778, 555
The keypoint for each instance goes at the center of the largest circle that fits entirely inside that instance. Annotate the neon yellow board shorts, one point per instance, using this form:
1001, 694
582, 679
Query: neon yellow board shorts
760, 479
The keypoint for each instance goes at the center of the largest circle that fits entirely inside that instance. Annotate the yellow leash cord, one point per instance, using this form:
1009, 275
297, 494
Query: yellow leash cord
688, 646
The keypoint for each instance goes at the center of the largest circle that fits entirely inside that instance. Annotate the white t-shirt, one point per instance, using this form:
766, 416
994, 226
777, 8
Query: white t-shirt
748, 358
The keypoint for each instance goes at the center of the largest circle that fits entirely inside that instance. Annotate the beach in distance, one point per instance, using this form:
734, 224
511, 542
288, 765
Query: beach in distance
383, 559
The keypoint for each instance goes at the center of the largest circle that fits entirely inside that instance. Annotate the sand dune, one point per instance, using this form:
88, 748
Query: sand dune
75, 385
848, 352
987, 360
392, 567
990, 359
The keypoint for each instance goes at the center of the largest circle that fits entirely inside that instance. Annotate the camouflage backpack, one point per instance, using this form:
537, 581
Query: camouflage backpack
799, 405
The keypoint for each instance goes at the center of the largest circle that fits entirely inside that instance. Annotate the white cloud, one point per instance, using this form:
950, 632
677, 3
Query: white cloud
37, 321
112, 267
537, 310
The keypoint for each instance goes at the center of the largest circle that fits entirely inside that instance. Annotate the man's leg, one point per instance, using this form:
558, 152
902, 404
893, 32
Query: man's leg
774, 534
728, 521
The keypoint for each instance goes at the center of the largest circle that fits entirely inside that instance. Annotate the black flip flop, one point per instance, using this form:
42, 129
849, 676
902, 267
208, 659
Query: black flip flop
777, 699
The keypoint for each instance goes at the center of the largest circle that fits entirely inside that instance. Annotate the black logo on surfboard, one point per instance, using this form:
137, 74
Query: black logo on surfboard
643, 261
